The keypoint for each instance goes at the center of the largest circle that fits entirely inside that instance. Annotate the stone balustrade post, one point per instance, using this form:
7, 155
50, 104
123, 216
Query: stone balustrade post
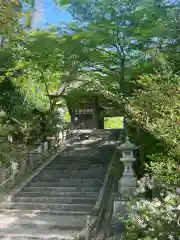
3, 175
45, 146
127, 184
14, 169
40, 150
50, 142
60, 135
23, 166
30, 155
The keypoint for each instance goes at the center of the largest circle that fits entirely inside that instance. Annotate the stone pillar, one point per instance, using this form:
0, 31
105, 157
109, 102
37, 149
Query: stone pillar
127, 184
4, 175
61, 135
14, 169
40, 149
45, 146
23, 167
50, 142
30, 155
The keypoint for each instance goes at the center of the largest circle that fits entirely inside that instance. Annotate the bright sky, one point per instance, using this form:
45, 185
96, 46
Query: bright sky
49, 13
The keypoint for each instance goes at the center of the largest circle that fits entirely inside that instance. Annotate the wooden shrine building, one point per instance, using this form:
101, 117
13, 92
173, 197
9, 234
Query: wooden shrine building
87, 109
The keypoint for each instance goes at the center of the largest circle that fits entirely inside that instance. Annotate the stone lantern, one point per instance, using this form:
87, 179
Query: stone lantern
127, 183
14, 169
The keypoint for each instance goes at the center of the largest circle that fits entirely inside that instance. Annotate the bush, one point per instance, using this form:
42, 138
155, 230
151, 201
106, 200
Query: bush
155, 107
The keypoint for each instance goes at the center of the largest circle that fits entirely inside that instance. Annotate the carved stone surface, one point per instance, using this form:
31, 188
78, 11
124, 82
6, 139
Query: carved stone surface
127, 184
45, 146
40, 149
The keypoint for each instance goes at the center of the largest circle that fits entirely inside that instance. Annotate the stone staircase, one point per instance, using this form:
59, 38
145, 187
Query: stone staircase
56, 202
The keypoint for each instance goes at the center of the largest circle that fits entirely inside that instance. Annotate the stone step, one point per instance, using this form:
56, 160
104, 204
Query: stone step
77, 150
82, 158
50, 206
82, 164
57, 177
68, 183
61, 189
77, 169
98, 153
42, 222
76, 153
71, 181
58, 194
94, 163
79, 155
36, 234
59, 200
64, 157
74, 171
45, 212
77, 166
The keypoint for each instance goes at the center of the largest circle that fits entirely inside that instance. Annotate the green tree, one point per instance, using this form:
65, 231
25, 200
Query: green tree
155, 106
123, 41
115, 39
28, 72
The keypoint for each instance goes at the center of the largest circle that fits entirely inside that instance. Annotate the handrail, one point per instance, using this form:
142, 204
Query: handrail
101, 196
6, 180
35, 151
105, 183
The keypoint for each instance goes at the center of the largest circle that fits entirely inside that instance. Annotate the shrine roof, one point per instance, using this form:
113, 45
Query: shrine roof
82, 91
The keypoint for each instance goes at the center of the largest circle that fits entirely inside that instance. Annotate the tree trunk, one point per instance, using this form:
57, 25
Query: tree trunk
122, 76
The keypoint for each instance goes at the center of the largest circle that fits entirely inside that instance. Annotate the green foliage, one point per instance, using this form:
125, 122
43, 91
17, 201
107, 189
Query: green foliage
155, 105
26, 80
120, 45
113, 48
158, 219
11, 12
115, 39
113, 122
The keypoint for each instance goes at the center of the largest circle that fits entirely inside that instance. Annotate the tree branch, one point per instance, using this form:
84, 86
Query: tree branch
103, 50
46, 87
120, 50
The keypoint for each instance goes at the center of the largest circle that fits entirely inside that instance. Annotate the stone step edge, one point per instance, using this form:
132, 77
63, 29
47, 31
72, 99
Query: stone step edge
68, 194
43, 220
43, 234
33, 199
61, 187
69, 179
54, 204
44, 212
58, 198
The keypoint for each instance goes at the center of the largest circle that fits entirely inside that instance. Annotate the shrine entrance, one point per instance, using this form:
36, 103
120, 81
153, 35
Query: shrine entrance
84, 118
87, 110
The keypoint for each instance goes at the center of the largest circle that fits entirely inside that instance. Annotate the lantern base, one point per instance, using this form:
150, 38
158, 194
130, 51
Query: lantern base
127, 184
121, 207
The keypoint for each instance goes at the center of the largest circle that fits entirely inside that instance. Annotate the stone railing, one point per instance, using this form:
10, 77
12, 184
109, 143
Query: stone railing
104, 204
17, 171
12, 174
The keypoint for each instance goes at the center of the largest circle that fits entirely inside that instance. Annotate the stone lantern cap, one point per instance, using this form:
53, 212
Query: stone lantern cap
127, 145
